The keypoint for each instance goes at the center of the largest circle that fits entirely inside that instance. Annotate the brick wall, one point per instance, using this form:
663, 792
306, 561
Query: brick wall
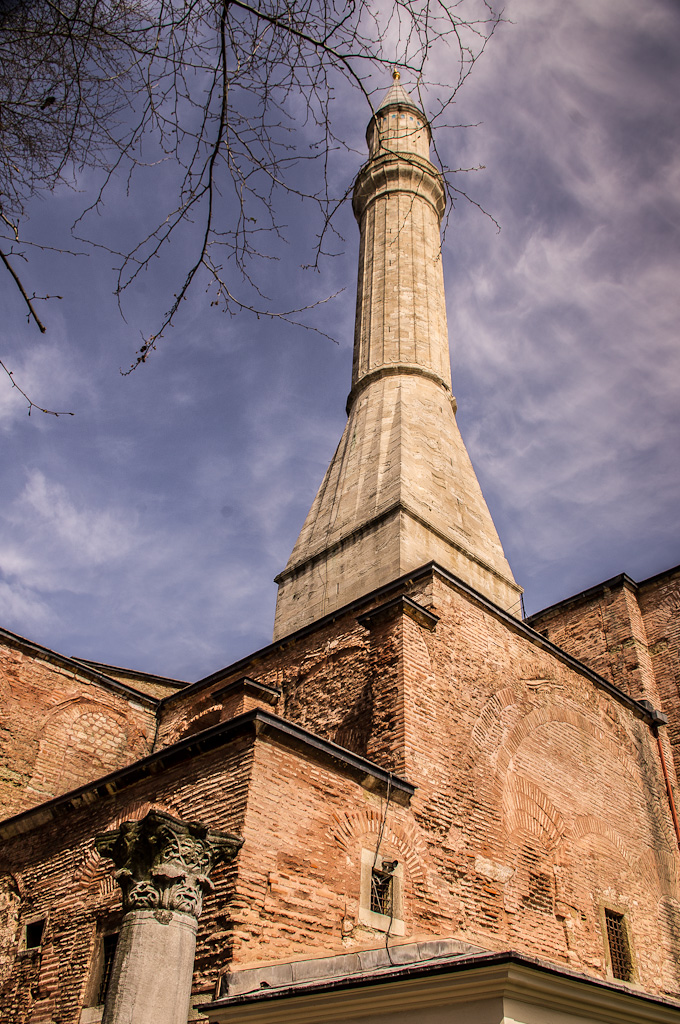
539, 801
324, 679
154, 686
540, 796
630, 634
659, 600
547, 788
54, 872
604, 628
61, 729
536, 806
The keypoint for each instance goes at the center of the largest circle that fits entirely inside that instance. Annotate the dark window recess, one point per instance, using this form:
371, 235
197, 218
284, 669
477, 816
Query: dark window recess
381, 892
619, 948
34, 934
109, 943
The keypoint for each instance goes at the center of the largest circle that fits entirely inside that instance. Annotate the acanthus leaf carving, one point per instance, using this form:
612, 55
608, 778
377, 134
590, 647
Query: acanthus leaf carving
163, 863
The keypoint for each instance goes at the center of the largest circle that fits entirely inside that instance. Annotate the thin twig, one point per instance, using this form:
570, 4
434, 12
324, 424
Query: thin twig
24, 295
31, 404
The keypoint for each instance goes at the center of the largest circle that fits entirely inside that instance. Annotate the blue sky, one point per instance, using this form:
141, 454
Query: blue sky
146, 530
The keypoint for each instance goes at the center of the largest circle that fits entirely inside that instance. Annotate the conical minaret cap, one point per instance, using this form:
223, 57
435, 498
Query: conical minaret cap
396, 94
399, 125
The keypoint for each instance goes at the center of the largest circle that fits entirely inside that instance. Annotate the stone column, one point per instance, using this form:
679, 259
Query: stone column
162, 866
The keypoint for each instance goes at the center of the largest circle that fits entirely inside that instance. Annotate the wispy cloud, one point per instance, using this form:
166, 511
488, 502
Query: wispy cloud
147, 529
565, 325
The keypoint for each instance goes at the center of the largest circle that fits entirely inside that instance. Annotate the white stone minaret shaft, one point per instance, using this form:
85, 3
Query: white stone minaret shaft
398, 202
400, 490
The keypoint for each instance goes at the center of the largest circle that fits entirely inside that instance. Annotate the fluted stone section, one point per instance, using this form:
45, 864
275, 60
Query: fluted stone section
400, 490
163, 867
398, 202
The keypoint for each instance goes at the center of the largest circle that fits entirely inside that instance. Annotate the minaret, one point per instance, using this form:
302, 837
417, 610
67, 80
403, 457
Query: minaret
400, 490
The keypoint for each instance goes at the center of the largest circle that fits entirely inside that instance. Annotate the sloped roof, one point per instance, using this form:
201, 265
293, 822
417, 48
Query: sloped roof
397, 94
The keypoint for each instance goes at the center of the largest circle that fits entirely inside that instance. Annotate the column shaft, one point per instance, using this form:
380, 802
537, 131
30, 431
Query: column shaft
152, 973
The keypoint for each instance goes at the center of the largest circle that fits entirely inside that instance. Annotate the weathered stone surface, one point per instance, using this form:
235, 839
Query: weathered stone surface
153, 970
162, 867
163, 863
400, 490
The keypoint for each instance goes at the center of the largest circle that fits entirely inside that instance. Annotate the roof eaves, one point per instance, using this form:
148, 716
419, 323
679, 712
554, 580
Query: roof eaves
594, 990
258, 722
79, 667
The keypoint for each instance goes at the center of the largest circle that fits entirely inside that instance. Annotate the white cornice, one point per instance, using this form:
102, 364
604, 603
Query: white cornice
511, 987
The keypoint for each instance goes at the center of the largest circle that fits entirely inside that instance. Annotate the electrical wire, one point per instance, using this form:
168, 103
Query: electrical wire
384, 819
375, 861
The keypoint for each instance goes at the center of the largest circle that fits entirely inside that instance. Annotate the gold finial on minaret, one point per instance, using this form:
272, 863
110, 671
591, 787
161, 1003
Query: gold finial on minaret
396, 75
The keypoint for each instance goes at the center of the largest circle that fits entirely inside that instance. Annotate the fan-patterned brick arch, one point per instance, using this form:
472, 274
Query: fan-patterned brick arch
556, 713
589, 825
487, 732
349, 829
82, 740
528, 809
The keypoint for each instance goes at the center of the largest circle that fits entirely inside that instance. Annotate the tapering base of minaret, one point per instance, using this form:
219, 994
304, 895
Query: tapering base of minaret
400, 492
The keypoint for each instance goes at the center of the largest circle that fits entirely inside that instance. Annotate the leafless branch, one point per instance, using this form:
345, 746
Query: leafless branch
231, 102
31, 404
17, 280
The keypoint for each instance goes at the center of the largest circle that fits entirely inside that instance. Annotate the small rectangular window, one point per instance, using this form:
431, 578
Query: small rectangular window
33, 934
381, 892
619, 947
109, 943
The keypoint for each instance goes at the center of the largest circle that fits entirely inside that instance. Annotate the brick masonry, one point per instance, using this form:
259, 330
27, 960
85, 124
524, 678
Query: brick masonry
539, 800
62, 725
630, 634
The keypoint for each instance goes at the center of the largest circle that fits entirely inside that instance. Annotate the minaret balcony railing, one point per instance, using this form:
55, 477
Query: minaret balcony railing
398, 172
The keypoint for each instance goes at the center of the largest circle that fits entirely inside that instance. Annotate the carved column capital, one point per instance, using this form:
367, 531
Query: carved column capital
163, 863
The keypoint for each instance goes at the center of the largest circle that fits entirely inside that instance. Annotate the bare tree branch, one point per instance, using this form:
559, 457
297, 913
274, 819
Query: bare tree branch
31, 404
231, 101
15, 277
